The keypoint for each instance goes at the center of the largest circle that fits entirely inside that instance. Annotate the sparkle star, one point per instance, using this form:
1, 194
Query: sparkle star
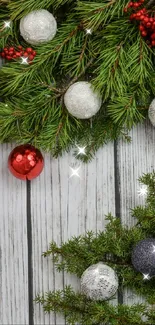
24, 60
143, 190
88, 31
7, 24
146, 277
81, 151
74, 172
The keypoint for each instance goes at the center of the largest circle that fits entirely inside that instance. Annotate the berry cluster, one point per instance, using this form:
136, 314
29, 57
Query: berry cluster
10, 53
146, 23
134, 5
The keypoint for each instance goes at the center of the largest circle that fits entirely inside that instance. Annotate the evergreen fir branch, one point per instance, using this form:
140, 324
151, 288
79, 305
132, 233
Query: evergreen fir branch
77, 308
115, 62
96, 14
125, 111
82, 251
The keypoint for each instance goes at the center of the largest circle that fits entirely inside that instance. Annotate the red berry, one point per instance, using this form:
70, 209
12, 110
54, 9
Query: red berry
136, 5
11, 53
138, 14
8, 57
141, 28
151, 20
18, 54
29, 50
153, 36
153, 43
125, 9
148, 25
11, 49
20, 47
34, 53
134, 16
141, 17
146, 19
3, 55
31, 57
25, 54
14, 56
144, 33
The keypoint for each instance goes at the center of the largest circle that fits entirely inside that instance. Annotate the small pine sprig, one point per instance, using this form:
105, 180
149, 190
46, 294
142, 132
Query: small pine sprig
78, 309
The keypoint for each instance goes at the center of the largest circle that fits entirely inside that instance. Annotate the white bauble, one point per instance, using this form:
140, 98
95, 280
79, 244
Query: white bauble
81, 100
99, 282
151, 112
38, 26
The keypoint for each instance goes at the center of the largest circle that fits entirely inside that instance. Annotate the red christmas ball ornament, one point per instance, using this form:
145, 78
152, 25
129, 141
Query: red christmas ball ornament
25, 162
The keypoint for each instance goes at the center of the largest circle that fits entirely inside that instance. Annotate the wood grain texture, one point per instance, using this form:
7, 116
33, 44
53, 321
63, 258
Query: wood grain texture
133, 160
64, 206
13, 246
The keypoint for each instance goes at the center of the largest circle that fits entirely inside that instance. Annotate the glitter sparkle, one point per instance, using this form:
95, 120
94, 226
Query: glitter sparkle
143, 190
146, 277
88, 31
74, 172
81, 151
7, 24
24, 60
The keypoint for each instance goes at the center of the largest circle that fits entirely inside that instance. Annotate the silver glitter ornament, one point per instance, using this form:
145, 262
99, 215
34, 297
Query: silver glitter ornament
143, 257
81, 100
99, 282
38, 26
151, 112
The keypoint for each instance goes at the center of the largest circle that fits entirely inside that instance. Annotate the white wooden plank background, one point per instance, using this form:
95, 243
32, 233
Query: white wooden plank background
56, 207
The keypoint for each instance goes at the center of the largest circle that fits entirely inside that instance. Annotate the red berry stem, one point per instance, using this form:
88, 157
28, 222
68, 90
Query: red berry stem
10, 53
146, 21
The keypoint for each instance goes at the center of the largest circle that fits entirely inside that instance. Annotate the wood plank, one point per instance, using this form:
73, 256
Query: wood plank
13, 246
65, 206
134, 159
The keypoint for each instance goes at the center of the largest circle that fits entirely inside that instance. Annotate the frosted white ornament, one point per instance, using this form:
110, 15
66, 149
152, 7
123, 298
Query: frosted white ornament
81, 100
99, 282
151, 112
38, 26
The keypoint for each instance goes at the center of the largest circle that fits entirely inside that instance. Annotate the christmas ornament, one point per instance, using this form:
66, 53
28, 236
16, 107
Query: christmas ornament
151, 112
38, 26
143, 257
81, 100
25, 162
99, 282
147, 23
10, 53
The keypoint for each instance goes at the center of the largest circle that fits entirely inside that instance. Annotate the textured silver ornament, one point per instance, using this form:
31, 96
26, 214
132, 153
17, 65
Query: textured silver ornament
143, 257
99, 282
38, 26
81, 100
151, 112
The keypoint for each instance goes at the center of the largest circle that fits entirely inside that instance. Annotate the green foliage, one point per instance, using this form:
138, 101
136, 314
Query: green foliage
114, 58
113, 246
